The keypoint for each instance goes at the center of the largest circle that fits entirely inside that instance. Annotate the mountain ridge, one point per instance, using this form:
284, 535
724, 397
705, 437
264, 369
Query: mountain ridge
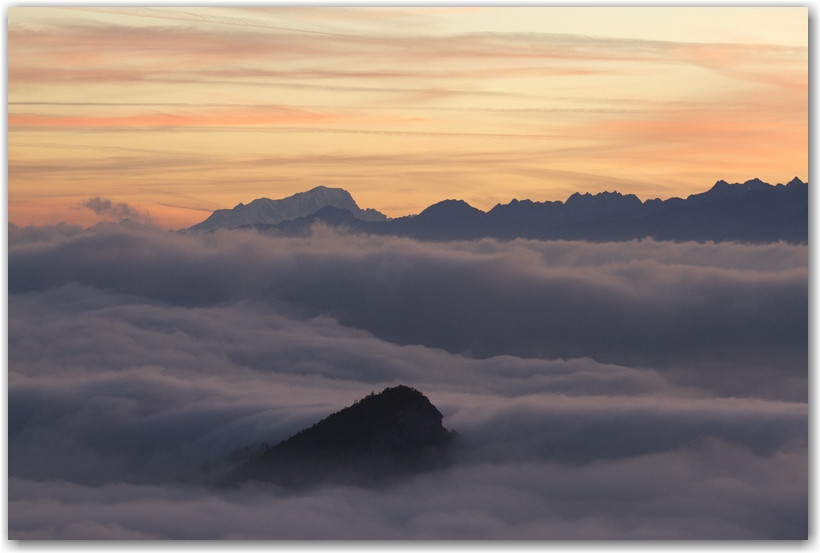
753, 211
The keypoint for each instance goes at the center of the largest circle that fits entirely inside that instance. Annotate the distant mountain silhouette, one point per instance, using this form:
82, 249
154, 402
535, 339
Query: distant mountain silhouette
271, 212
447, 220
301, 226
753, 211
395, 433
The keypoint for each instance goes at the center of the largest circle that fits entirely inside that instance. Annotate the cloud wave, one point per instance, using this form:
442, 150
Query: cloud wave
700, 311
160, 360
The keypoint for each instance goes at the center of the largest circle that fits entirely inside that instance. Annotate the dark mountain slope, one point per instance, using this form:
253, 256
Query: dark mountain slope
447, 220
757, 214
380, 437
329, 215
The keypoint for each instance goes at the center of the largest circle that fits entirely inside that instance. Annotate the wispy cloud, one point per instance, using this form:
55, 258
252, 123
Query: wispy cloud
352, 84
93, 53
108, 209
280, 116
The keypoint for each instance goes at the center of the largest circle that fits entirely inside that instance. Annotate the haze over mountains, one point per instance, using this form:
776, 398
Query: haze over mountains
752, 212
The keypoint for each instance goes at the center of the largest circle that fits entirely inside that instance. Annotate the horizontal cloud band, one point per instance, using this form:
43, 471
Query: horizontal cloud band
611, 302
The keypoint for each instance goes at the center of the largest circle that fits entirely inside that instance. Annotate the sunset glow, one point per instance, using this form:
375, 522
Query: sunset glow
408, 273
177, 112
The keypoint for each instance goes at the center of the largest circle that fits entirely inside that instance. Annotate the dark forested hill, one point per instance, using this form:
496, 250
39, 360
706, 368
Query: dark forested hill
382, 436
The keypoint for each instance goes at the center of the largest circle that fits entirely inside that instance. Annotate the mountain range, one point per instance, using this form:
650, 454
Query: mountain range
753, 211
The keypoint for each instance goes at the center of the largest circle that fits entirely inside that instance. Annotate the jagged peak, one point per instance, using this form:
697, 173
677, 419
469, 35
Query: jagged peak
604, 198
754, 183
604, 194
722, 189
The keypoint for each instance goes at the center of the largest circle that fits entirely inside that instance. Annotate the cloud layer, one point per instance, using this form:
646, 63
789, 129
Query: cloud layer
158, 360
710, 310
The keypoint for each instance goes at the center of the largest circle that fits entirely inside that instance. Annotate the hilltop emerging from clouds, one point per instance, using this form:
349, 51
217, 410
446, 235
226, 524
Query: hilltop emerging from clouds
752, 212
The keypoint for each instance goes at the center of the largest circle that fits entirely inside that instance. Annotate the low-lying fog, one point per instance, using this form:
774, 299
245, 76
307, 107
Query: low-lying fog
620, 390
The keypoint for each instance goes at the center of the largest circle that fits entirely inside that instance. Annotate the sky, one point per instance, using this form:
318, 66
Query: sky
616, 390
171, 113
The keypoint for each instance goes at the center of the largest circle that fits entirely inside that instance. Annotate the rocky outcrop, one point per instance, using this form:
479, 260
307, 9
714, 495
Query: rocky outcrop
379, 438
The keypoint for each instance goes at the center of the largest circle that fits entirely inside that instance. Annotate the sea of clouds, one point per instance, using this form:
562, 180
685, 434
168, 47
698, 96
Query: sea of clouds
619, 390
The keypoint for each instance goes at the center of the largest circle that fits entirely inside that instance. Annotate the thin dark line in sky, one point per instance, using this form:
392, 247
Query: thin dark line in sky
193, 128
214, 20
96, 147
269, 84
680, 104
205, 210
268, 106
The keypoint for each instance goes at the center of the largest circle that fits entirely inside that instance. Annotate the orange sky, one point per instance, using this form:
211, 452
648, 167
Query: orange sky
179, 111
